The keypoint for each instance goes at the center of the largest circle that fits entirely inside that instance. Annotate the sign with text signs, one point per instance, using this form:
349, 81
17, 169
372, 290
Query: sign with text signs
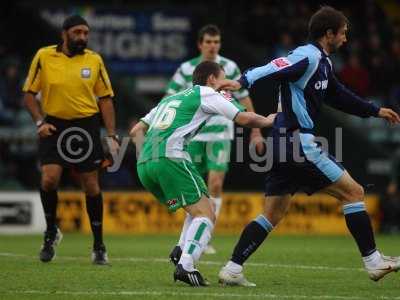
139, 212
133, 41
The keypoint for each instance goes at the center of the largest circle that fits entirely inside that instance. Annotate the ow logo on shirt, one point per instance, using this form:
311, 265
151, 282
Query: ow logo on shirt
281, 62
321, 85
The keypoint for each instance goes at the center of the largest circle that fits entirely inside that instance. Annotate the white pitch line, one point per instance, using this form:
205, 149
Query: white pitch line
204, 262
194, 294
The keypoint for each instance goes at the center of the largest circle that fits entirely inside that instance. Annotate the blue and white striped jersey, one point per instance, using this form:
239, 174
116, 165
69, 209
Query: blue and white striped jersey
306, 81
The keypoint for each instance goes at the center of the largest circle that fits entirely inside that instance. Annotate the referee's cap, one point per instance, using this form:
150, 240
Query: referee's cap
74, 20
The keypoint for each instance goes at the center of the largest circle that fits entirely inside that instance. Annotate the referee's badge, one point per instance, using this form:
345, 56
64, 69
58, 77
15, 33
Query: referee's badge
85, 73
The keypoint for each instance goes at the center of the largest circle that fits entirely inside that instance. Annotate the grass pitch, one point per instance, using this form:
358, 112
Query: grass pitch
285, 267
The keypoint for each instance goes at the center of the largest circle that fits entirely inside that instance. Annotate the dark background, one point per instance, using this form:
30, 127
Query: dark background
253, 32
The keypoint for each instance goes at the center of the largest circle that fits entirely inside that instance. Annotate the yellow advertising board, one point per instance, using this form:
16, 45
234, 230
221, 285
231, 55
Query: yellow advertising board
139, 212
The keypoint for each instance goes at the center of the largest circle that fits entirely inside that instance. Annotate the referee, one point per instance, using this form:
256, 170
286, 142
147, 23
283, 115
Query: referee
75, 95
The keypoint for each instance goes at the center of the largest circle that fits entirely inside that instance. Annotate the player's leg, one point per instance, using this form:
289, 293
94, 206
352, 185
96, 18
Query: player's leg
176, 253
197, 237
51, 174
217, 155
351, 194
187, 189
88, 167
215, 183
197, 152
94, 208
253, 235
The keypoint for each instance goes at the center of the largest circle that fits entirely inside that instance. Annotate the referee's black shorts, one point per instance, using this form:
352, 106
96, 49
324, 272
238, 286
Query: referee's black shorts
76, 144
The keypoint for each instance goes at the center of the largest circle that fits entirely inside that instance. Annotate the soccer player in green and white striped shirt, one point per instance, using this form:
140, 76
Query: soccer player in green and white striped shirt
164, 165
210, 149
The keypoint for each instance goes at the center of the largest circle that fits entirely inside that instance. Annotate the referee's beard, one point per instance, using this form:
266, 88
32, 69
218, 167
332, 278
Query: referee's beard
76, 46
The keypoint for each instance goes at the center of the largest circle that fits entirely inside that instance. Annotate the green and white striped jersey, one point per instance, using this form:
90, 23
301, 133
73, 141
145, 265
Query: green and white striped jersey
218, 127
177, 118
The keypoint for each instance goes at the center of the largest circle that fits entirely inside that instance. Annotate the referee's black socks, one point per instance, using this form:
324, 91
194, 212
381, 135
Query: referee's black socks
253, 235
359, 224
94, 208
49, 201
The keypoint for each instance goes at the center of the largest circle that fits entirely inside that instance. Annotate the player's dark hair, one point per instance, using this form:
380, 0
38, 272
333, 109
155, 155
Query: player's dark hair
204, 70
324, 19
209, 29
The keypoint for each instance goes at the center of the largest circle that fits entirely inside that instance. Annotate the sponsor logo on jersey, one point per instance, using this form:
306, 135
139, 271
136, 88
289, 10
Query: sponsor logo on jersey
172, 202
227, 95
321, 85
281, 62
85, 73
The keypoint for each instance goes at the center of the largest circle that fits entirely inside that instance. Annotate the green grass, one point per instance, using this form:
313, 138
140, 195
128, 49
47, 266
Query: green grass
285, 267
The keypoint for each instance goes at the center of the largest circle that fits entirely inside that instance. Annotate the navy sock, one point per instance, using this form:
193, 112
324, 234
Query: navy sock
94, 208
253, 235
49, 202
359, 224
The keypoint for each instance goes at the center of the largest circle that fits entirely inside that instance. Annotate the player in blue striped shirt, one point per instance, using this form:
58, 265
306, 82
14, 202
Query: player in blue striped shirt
307, 80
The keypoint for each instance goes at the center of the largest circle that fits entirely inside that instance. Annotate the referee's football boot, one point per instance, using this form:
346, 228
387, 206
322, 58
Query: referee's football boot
387, 265
99, 255
51, 239
192, 278
175, 255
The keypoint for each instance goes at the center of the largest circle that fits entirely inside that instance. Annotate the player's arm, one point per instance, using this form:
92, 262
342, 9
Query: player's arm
140, 129
343, 99
33, 106
138, 132
31, 88
107, 110
106, 106
105, 94
243, 96
256, 135
253, 120
289, 68
137, 135
214, 103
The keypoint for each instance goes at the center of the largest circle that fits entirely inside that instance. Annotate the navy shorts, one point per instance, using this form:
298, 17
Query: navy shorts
302, 166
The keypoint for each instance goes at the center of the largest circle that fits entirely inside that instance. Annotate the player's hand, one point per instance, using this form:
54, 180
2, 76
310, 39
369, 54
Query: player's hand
257, 139
46, 130
113, 145
270, 120
227, 84
389, 115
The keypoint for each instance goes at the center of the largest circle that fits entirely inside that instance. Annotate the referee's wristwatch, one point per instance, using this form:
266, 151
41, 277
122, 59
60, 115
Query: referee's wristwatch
39, 123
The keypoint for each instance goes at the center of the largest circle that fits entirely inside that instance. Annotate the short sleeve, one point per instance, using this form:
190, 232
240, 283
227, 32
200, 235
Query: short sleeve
102, 87
33, 83
214, 103
148, 119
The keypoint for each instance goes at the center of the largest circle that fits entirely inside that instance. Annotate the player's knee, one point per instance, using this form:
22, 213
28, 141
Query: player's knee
205, 212
212, 217
274, 217
49, 183
355, 194
91, 188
